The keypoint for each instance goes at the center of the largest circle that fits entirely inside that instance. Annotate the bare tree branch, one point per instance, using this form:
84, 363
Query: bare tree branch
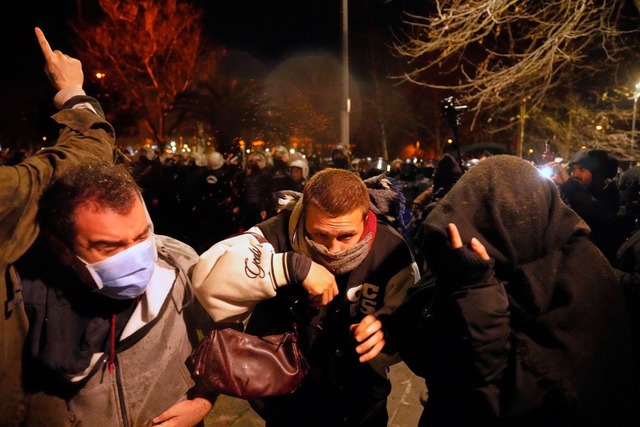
496, 54
504, 47
147, 49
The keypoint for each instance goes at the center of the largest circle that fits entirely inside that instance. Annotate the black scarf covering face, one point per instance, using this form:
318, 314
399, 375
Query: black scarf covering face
568, 323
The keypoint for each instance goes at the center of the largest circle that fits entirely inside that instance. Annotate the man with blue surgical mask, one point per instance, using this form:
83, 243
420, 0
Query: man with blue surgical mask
112, 316
113, 253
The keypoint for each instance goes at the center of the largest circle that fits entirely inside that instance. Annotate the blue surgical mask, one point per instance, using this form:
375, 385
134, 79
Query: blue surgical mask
125, 275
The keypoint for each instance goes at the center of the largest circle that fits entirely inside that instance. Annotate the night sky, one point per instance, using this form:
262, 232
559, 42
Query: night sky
270, 30
274, 29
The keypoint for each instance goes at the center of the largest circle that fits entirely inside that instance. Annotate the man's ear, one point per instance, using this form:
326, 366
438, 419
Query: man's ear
61, 250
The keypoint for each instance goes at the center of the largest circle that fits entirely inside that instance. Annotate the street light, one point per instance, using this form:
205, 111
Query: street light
636, 94
346, 107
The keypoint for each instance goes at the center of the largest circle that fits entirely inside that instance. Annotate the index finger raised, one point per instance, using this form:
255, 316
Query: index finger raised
44, 44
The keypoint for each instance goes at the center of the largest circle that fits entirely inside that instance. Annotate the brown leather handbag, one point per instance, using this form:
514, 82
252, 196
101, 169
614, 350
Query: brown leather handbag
237, 364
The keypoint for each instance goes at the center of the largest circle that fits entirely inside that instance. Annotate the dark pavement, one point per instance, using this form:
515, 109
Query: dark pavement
403, 404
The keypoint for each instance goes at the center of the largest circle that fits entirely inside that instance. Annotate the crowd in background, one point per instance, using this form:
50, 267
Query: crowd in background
202, 199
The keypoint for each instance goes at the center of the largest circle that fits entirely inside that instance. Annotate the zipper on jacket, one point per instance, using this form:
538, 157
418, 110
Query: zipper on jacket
121, 401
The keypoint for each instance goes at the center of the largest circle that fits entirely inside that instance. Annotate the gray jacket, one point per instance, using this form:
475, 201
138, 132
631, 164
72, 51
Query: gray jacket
149, 374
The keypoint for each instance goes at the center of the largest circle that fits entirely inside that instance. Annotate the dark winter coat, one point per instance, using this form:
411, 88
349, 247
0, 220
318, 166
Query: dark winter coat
539, 335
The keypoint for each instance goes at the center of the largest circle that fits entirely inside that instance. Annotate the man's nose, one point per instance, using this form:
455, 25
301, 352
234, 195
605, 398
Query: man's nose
334, 246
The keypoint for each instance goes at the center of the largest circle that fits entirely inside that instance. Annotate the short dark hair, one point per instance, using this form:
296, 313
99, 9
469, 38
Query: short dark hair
110, 187
336, 192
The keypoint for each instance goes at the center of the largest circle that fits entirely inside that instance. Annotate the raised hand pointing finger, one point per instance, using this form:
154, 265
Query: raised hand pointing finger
44, 44
63, 71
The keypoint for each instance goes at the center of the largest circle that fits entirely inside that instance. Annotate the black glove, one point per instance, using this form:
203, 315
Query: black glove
462, 267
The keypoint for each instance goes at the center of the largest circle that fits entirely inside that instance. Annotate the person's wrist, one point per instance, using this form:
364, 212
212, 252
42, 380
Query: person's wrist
66, 94
463, 268
298, 266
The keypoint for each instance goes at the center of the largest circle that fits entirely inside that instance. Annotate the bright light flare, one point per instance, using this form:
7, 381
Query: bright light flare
546, 171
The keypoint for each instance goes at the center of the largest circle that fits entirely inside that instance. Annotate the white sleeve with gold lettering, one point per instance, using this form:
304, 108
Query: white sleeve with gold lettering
236, 274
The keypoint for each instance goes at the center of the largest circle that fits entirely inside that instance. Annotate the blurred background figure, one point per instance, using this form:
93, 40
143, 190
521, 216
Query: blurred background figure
589, 188
299, 173
216, 210
340, 157
394, 167
375, 167
447, 172
627, 262
256, 196
412, 183
280, 172
629, 212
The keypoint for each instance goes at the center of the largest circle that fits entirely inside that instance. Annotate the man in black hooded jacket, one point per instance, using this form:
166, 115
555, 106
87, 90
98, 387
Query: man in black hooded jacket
528, 326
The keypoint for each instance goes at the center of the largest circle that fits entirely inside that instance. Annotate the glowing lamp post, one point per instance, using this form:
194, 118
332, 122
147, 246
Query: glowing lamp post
346, 102
633, 120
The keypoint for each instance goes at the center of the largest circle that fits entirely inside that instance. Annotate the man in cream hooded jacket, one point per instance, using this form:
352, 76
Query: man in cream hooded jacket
326, 261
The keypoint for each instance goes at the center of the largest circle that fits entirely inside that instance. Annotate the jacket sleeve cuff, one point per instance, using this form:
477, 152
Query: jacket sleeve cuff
200, 390
66, 94
84, 102
290, 268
